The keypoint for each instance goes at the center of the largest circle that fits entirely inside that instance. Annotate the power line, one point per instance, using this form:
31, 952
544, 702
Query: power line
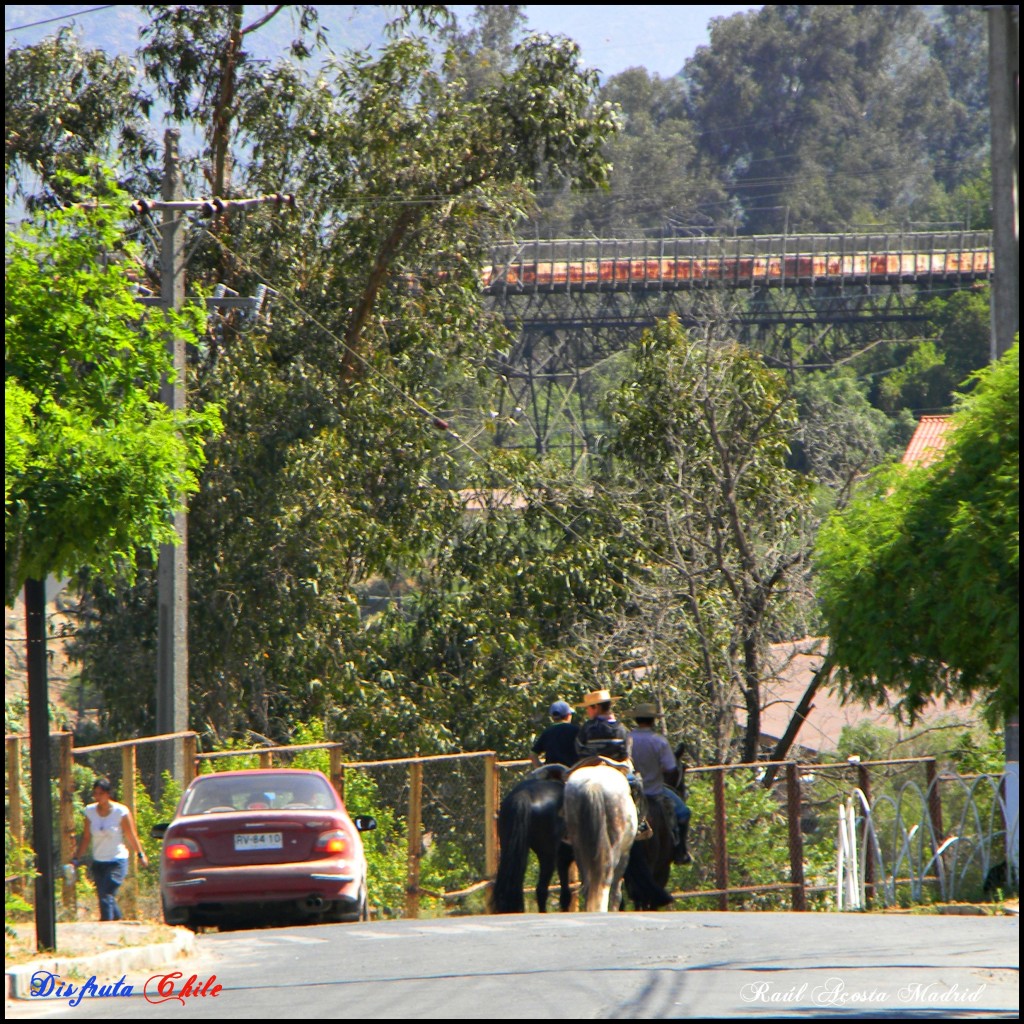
63, 17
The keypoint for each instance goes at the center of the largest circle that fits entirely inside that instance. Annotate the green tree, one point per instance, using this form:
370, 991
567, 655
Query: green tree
659, 182
823, 115
704, 432
65, 105
918, 577
841, 436
498, 623
479, 54
98, 464
337, 465
959, 44
196, 56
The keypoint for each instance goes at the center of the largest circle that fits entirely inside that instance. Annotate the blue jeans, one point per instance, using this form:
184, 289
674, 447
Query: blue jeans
108, 876
682, 811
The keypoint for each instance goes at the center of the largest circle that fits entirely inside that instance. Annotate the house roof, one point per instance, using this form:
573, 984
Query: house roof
794, 665
929, 441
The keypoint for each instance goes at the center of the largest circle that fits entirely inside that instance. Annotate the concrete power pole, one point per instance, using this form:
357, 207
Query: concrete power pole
1004, 103
1004, 100
172, 570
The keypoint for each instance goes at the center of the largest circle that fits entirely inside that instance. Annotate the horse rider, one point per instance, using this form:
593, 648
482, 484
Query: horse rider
657, 765
557, 743
603, 736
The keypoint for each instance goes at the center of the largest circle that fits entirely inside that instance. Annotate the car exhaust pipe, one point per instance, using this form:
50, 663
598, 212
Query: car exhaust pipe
313, 903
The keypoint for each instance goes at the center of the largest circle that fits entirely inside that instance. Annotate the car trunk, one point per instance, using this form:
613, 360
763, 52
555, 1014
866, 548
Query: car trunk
271, 838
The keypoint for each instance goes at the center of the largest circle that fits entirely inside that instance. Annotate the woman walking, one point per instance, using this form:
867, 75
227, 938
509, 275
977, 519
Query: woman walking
111, 831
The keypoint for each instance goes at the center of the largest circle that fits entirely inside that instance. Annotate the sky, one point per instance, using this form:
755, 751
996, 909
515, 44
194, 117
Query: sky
612, 37
659, 37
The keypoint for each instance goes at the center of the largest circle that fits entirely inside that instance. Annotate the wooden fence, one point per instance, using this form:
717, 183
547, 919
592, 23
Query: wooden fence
477, 813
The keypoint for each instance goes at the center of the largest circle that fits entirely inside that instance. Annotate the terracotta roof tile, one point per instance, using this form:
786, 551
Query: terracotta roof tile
929, 441
793, 665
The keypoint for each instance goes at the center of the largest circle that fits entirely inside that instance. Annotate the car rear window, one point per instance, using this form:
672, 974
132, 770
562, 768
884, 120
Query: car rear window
258, 793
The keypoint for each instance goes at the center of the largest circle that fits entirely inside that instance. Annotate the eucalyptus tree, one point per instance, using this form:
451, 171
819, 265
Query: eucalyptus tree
822, 115
702, 444
661, 183
64, 106
196, 57
518, 607
340, 450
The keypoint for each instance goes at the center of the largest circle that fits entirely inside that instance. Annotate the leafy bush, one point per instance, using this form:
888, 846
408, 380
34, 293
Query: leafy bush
757, 843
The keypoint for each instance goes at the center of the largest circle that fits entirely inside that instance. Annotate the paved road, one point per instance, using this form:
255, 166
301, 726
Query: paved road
597, 966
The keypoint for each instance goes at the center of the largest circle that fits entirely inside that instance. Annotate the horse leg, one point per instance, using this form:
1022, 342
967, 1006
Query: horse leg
564, 859
615, 896
596, 866
546, 861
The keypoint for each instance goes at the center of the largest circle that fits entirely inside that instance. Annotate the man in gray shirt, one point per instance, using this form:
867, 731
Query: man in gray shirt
654, 760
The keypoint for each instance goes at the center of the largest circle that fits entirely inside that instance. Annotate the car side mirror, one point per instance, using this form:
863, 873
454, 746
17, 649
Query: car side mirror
157, 831
364, 823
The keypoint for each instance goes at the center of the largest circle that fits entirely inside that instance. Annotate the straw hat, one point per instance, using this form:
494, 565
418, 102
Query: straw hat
597, 697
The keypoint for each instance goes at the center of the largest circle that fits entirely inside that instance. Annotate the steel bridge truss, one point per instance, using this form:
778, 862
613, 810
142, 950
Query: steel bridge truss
805, 302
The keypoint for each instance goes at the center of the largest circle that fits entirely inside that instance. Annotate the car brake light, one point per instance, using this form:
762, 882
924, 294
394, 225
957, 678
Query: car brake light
183, 849
332, 842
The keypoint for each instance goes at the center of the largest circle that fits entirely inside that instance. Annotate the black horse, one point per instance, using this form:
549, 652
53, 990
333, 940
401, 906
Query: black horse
651, 861
530, 818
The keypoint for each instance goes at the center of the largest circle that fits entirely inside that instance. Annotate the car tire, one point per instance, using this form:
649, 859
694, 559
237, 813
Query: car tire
341, 911
179, 917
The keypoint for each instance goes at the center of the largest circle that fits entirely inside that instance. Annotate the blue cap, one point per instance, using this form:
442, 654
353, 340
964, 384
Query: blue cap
559, 709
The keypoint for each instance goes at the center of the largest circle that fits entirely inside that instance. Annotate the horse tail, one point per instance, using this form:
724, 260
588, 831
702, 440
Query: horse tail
514, 837
591, 842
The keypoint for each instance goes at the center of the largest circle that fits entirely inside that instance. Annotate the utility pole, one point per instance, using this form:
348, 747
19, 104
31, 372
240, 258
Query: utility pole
1004, 101
172, 568
1004, 104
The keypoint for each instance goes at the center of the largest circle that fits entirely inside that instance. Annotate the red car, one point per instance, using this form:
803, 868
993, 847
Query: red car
259, 845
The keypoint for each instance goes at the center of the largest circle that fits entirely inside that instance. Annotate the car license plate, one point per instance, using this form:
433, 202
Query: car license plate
258, 841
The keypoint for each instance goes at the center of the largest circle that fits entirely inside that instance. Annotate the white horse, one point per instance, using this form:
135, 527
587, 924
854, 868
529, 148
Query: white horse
601, 823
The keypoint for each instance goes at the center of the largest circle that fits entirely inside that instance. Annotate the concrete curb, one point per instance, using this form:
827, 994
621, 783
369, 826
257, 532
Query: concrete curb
106, 967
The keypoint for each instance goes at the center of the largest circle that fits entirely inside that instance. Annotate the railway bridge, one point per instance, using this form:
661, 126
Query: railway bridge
805, 301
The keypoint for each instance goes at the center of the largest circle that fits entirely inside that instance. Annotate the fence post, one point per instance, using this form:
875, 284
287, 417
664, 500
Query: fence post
415, 839
14, 819
490, 815
864, 784
934, 804
188, 758
934, 799
129, 767
338, 771
266, 759
721, 853
66, 788
796, 838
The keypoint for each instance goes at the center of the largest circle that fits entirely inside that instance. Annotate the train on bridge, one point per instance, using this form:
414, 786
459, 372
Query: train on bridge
591, 265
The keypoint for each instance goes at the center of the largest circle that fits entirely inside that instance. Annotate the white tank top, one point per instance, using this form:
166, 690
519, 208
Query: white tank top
107, 834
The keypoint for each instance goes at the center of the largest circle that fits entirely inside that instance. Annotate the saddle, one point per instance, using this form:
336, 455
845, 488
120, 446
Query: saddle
596, 760
559, 772
636, 787
550, 773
